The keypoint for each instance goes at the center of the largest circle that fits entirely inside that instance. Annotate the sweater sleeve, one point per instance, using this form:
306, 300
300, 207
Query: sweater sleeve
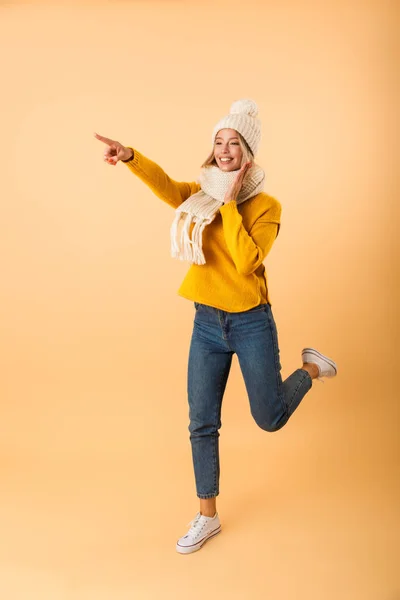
170, 191
249, 249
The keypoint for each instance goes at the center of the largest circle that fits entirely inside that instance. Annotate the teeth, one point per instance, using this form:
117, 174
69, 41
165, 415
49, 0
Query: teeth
225, 159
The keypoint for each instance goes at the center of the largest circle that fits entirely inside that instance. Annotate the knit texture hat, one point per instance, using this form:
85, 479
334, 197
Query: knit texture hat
243, 118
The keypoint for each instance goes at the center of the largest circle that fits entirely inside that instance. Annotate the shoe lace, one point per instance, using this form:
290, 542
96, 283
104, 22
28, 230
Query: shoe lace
196, 525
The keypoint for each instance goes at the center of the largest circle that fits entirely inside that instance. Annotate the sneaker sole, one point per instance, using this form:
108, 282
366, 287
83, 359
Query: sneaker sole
316, 353
195, 547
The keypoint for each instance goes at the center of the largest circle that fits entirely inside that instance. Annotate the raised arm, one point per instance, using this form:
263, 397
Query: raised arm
248, 249
170, 191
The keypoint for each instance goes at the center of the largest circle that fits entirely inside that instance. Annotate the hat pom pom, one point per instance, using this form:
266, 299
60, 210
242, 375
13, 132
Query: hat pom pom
247, 106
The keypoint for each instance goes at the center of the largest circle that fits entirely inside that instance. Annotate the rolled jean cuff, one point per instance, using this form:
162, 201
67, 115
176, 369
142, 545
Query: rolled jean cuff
206, 496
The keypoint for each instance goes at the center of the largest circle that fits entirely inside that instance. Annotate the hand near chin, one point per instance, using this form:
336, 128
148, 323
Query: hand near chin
233, 190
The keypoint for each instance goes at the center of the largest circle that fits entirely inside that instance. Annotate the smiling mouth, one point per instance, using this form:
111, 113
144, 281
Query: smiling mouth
226, 160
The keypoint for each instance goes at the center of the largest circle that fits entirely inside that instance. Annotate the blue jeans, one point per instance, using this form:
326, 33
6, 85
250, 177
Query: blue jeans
216, 336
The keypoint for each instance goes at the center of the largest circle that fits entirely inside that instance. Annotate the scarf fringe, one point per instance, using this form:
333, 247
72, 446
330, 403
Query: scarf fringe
185, 248
197, 236
174, 235
185, 239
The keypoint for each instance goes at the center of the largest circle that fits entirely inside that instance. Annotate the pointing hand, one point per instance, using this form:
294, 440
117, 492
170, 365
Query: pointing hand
114, 151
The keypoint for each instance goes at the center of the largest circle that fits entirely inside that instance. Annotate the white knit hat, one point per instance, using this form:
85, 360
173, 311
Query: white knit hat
243, 118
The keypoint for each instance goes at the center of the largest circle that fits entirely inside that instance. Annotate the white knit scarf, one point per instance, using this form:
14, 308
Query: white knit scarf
202, 207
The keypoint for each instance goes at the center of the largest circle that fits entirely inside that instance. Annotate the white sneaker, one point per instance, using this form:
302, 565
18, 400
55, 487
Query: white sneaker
202, 529
326, 366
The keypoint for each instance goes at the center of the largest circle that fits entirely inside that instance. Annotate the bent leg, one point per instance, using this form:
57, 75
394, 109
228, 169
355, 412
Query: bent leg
272, 401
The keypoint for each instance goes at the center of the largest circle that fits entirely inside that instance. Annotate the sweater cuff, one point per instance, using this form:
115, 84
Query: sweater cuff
229, 208
134, 159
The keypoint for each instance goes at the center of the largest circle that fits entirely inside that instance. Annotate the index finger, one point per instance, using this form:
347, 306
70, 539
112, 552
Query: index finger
104, 139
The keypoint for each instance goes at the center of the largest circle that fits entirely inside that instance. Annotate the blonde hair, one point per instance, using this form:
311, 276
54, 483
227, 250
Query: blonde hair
247, 154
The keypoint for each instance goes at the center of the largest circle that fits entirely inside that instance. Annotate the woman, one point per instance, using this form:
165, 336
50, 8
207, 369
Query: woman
228, 225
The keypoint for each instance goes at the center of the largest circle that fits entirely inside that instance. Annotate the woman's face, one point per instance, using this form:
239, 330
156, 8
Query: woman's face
227, 150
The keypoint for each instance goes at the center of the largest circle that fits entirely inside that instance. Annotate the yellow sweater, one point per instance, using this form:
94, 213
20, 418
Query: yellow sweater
235, 243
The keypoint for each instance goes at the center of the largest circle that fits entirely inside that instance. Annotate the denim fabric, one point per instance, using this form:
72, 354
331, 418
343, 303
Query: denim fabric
216, 336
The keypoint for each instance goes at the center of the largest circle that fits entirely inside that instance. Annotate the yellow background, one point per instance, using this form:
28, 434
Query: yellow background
96, 474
